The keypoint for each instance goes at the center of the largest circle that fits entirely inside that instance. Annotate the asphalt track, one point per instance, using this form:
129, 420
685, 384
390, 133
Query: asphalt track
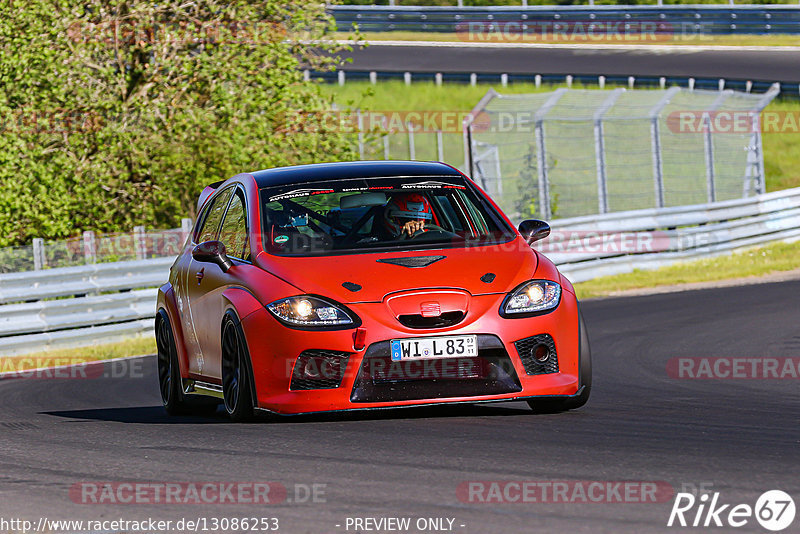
747, 64
738, 437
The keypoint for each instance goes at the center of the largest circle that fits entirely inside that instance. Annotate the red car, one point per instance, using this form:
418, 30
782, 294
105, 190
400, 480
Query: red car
364, 285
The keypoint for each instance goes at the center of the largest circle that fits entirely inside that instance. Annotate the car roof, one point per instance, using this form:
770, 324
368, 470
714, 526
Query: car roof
355, 169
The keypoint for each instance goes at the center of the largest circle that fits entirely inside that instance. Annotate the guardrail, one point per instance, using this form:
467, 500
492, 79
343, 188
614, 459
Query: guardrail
76, 306
107, 302
601, 245
344, 75
667, 20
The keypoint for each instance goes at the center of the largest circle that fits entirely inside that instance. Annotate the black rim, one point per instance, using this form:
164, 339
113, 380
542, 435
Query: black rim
231, 367
164, 361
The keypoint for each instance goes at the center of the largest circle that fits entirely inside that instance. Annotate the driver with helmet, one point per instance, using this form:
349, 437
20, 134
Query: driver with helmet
407, 213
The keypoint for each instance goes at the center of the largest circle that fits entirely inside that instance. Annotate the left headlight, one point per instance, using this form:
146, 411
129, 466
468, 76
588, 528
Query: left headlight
305, 310
532, 297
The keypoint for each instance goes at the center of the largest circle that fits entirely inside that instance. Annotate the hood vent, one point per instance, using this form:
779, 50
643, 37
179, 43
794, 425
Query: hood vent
413, 262
350, 286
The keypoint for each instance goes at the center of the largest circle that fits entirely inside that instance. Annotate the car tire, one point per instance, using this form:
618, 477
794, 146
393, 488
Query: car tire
554, 404
169, 375
236, 378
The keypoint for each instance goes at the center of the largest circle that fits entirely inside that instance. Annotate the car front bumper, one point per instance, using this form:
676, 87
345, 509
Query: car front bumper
370, 380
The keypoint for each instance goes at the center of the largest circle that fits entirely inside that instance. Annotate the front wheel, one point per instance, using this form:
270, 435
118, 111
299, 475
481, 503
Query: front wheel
236, 386
554, 405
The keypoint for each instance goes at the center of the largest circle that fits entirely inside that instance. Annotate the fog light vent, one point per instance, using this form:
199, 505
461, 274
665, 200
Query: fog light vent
319, 369
538, 354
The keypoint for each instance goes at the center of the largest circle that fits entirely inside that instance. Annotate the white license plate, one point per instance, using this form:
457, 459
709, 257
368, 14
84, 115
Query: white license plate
434, 347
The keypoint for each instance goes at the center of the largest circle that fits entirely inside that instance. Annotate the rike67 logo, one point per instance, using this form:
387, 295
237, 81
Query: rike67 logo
774, 510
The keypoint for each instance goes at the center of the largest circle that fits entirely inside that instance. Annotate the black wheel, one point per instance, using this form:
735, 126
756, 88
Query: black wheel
553, 405
236, 384
169, 375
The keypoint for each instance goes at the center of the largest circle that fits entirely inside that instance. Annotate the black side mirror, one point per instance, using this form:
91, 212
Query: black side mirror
534, 230
212, 252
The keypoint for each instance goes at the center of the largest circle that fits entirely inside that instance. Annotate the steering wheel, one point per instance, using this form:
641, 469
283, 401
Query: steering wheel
427, 228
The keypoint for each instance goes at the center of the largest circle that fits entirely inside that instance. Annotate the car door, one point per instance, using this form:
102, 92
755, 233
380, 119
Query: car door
206, 298
194, 272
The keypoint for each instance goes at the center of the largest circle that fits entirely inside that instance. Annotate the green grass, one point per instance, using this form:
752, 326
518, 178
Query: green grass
699, 40
748, 263
781, 150
52, 358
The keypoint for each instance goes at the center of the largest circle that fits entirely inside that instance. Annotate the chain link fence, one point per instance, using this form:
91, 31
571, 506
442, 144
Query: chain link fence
571, 152
90, 248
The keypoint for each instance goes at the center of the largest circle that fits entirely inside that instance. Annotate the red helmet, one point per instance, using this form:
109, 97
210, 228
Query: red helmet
406, 207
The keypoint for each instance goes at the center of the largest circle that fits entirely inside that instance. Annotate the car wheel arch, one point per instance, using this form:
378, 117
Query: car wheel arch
231, 314
166, 302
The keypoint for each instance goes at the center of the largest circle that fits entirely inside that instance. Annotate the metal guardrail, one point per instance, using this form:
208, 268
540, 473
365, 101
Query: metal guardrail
117, 300
673, 19
77, 306
647, 239
82, 280
344, 75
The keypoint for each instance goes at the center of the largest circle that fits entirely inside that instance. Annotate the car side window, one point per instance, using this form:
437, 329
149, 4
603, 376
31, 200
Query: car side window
233, 232
208, 231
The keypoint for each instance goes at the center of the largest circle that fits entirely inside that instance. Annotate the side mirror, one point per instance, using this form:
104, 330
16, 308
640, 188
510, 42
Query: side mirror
534, 230
212, 252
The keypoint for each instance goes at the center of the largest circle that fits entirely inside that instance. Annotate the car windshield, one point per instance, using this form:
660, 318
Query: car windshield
366, 214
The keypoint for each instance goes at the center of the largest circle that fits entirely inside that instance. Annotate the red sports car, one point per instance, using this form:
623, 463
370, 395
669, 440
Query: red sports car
364, 285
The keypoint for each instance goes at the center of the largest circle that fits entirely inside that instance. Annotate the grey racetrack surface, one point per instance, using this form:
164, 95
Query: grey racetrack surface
741, 436
767, 65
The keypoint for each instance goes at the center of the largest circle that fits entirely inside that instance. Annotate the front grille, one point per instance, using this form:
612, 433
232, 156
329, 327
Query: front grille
382, 380
525, 349
319, 369
414, 261
442, 321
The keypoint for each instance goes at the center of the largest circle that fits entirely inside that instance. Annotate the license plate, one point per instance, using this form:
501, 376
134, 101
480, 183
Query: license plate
434, 347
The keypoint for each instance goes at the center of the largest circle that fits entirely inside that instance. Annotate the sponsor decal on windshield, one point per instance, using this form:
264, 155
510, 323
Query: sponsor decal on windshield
299, 193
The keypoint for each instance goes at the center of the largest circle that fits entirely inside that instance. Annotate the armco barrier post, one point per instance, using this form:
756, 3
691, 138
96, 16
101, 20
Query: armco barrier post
89, 247
39, 259
139, 242
186, 229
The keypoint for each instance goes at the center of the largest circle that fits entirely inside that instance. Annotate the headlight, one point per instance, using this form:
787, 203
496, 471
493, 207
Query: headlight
306, 310
532, 297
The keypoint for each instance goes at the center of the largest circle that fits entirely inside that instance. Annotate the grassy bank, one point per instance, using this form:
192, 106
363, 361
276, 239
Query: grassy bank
748, 263
58, 357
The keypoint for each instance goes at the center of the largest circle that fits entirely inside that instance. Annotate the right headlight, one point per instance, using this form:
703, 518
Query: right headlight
532, 297
311, 311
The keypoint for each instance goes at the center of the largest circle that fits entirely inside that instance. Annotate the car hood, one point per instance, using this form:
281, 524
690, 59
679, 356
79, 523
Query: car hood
370, 277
